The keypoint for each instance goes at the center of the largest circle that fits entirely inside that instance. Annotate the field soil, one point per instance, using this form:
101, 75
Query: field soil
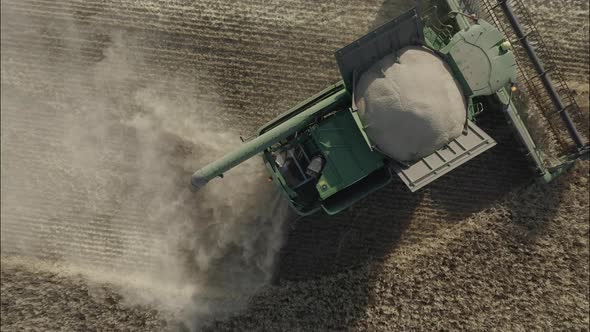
108, 106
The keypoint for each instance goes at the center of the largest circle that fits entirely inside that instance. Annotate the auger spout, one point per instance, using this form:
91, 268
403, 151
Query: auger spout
265, 140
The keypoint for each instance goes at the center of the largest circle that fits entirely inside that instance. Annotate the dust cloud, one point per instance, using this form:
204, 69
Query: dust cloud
98, 144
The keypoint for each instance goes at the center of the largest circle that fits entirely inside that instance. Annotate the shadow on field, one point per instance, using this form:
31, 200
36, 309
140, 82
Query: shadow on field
531, 208
323, 245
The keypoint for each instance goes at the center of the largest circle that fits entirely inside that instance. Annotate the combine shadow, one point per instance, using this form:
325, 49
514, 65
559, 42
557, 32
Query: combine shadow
324, 245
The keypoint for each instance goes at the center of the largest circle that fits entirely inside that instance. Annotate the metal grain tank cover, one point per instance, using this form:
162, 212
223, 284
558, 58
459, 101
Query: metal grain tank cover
355, 58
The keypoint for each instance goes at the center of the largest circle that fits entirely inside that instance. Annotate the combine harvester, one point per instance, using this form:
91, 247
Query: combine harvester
351, 139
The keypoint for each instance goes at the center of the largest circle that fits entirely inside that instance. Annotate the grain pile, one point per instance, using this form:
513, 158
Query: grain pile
410, 104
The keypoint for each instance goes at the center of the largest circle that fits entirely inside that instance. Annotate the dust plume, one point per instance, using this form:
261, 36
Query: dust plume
99, 140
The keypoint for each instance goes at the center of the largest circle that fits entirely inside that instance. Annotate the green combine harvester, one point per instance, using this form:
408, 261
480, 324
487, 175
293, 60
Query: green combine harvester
327, 153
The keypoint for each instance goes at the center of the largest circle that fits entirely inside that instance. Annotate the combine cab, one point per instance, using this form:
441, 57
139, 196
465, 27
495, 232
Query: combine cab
322, 157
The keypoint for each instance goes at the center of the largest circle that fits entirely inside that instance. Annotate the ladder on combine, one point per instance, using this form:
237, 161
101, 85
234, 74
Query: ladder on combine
551, 102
